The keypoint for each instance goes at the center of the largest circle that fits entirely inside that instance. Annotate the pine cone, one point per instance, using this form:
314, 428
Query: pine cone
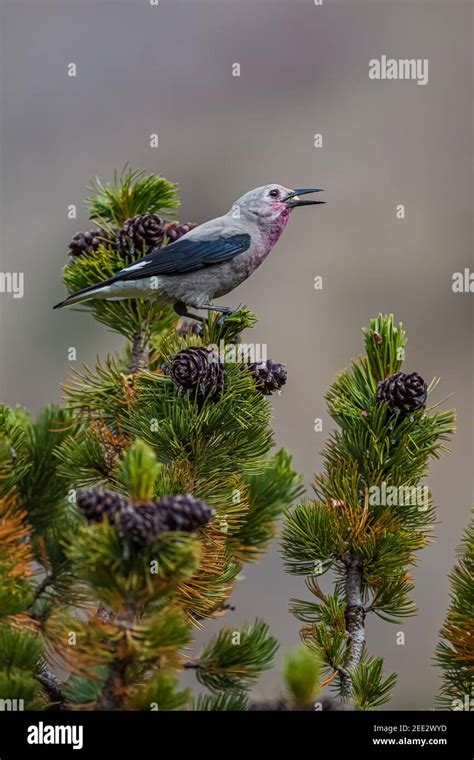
198, 370
141, 234
268, 376
87, 243
174, 230
140, 524
98, 503
402, 393
183, 512
189, 328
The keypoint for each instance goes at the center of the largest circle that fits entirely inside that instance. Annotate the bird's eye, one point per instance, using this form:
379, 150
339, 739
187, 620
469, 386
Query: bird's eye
274, 193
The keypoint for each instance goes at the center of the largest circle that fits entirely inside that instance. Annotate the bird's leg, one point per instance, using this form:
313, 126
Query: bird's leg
222, 309
182, 311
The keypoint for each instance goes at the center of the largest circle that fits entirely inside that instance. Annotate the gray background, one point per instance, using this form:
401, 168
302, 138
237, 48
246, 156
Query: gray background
143, 69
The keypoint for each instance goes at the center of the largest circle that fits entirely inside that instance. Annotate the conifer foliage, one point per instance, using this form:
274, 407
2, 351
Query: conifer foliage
455, 651
126, 517
370, 515
35, 571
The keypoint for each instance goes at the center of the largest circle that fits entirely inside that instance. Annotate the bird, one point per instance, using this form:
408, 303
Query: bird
210, 260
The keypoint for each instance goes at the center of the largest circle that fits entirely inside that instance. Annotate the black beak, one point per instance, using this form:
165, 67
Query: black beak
293, 200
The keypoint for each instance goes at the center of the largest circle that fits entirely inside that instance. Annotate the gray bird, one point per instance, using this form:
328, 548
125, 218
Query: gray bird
208, 261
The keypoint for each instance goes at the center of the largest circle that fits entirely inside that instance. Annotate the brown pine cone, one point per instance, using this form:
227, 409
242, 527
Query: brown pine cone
403, 394
198, 370
141, 234
174, 230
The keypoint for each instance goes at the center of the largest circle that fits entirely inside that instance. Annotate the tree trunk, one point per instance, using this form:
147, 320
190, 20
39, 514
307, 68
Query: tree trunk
52, 686
114, 690
140, 351
355, 622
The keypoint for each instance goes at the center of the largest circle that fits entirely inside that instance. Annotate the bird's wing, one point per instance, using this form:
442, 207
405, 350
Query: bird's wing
187, 254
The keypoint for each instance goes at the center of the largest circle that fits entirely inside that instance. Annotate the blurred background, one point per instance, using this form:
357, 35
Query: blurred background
167, 69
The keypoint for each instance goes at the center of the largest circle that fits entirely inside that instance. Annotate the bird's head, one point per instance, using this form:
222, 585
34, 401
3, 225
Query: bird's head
271, 203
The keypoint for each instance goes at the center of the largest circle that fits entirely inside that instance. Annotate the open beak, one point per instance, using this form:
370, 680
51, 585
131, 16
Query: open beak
293, 200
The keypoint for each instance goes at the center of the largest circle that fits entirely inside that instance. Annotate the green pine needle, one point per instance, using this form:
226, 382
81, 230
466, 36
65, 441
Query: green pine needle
370, 689
234, 659
130, 193
223, 702
455, 651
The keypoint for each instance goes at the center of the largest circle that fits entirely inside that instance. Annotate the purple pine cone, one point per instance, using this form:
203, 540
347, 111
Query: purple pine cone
97, 503
269, 376
402, 393
198, 370
183, 512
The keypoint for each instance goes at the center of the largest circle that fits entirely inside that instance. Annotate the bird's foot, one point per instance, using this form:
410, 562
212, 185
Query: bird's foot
226, 310
222, 319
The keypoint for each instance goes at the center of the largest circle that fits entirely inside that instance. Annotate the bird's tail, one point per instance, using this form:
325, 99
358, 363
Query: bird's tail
93, 291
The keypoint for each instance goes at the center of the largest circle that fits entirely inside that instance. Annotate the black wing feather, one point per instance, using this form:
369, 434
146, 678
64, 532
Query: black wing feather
187, 255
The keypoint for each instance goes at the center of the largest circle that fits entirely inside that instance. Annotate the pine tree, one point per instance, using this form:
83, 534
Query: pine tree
370, 514
35, 570
455, 651
129, 513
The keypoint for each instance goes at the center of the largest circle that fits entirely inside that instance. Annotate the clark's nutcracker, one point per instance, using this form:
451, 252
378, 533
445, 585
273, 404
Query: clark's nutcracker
210, 260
